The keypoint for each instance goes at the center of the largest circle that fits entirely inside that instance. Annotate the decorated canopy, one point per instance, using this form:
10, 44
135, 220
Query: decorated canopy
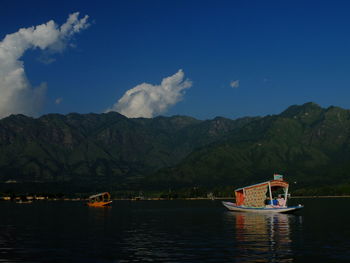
255, 195
102, 196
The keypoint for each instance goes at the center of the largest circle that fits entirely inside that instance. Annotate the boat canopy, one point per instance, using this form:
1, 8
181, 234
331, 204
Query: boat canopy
101, 196
255, 195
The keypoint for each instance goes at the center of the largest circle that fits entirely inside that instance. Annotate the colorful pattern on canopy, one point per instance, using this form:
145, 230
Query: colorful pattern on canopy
255, 196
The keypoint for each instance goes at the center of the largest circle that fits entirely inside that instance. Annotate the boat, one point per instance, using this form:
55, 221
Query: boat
24, 202
100, 200
253, 198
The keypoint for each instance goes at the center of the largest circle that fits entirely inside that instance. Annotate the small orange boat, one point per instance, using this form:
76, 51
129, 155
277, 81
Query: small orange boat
100, 200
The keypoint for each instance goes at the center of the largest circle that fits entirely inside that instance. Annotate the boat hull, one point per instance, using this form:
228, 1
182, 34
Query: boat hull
233, 207
99, 204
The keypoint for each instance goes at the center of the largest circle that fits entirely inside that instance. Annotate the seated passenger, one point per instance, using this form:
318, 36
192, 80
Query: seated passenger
275, 202
267, 201
281, 201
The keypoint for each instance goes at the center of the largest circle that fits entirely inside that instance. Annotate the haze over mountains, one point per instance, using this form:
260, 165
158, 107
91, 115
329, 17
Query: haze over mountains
90, 152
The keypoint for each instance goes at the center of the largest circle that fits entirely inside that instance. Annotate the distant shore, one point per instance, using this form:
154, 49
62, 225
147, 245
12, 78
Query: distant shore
227, 198
322, 196
161, 199
224, 198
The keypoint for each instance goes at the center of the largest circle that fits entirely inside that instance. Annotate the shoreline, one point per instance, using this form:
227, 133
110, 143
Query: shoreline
224, 198
322, 196
173, 199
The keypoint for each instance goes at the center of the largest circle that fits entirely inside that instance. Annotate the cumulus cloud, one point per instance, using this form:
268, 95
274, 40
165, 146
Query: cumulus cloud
147, 100
16, 93
234, 84
58, 100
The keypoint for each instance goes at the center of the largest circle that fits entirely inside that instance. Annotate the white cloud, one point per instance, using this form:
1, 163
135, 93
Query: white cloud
234, 84
16, 93
58, 100
146, 100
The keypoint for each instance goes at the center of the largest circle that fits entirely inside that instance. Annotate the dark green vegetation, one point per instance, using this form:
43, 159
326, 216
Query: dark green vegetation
176, 156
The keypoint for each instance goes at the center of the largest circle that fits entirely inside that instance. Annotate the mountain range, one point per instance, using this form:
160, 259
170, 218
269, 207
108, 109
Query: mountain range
309, 144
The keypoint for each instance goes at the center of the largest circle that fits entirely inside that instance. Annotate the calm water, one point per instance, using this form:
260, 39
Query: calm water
172, 231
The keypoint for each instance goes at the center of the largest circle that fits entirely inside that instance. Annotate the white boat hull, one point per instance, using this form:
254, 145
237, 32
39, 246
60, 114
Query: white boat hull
233, 207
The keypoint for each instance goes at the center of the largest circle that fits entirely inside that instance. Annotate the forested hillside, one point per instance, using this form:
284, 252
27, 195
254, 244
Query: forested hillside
91, 152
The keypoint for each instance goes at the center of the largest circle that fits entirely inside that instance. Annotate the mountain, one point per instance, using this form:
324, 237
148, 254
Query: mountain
93, 152
308, 144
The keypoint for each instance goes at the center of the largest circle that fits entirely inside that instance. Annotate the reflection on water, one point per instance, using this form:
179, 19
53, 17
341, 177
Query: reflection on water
262, 237
172, 231
99, 214
7, 242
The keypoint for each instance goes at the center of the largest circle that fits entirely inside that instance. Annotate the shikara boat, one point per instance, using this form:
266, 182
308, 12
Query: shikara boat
100, 200
259, 198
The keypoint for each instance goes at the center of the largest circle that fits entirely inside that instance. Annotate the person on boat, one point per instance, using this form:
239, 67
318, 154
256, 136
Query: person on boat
281, 201
267, 201
275, 202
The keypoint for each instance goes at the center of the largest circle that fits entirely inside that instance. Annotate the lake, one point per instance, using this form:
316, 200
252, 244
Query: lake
173, 231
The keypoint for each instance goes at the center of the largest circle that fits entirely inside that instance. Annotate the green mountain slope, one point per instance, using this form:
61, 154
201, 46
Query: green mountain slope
92, 152
308, 144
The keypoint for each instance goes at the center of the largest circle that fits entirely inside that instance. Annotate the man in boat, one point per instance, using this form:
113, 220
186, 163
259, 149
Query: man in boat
275, 202
268, 202
281, 201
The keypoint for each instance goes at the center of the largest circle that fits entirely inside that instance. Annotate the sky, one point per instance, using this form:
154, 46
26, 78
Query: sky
196, 58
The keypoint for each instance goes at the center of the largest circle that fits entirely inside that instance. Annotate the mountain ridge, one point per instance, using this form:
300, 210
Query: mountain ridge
92, 151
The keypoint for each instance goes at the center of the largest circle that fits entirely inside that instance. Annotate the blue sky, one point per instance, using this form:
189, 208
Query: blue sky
282, 53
